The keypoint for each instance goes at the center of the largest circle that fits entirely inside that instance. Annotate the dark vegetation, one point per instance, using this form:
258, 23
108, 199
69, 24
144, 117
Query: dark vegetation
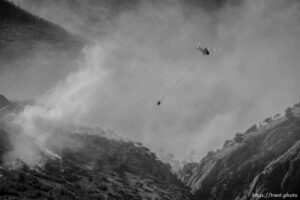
100, 169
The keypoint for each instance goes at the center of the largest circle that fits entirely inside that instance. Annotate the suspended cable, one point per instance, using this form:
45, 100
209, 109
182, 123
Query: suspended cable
175, 84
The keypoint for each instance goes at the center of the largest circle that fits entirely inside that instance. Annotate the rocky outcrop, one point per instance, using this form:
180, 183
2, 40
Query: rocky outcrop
263, 159
280, 177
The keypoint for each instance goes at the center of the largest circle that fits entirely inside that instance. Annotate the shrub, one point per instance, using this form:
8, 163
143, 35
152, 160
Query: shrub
268, 120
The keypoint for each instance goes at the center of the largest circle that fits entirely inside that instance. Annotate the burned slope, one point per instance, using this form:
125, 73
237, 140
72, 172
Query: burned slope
92, 164
263, 159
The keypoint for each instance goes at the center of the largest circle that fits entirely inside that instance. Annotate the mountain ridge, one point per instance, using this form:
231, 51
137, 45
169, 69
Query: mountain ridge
87, 163
94, 163
236, 170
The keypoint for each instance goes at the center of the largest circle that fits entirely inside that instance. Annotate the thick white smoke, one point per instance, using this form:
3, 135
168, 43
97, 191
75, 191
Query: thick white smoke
59, 108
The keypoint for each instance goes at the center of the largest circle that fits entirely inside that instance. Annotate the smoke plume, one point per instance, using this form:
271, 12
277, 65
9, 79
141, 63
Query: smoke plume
253, 76
59, 109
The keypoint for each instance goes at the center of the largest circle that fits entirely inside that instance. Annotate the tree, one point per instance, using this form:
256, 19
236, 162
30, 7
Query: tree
289, 114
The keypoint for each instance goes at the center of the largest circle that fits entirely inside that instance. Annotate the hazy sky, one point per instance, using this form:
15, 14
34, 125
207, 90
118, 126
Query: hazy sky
145, 47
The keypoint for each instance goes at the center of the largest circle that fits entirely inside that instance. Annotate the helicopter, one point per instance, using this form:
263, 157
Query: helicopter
205, 50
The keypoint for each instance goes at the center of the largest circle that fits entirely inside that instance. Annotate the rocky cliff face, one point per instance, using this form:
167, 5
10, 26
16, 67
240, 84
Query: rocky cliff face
263, 159
280, 176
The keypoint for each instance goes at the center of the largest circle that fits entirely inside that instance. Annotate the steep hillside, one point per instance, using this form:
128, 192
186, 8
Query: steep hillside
3, 102
88, 18
90, 14
261, 160
34, 53
23, 34
91, 165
